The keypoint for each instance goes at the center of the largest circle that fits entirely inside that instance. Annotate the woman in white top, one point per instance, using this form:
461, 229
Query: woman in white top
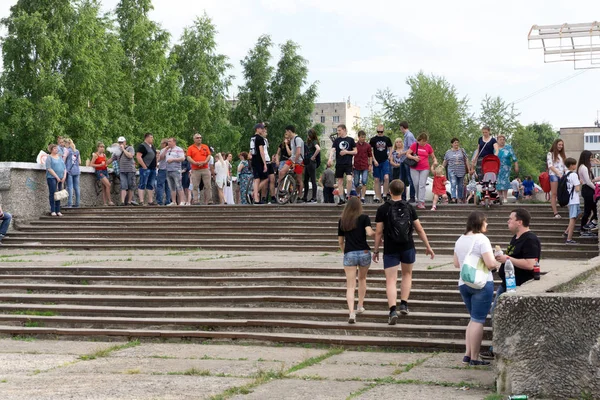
478, 301
228, 189
588, 188
555, 160
221, 172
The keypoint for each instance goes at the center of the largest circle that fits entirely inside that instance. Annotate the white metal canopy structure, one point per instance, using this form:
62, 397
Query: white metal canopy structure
579, 43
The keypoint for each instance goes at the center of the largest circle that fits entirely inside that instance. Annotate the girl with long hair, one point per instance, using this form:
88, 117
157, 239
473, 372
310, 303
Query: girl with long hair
555, 159
72, 163
310, 166
396, 158
588, 187
221, 171
99, 163
477, 301
353, 229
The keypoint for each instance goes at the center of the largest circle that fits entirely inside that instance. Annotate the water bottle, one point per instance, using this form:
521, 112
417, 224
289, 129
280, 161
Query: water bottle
536, 270
498, 251
509, 273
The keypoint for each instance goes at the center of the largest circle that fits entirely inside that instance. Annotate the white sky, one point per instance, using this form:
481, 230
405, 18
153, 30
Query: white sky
357, 47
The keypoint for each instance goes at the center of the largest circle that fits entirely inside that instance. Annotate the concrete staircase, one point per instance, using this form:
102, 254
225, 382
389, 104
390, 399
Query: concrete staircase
275, 303
309, 227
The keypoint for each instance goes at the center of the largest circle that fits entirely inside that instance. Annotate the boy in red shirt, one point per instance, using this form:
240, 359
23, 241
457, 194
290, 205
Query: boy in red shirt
363, 161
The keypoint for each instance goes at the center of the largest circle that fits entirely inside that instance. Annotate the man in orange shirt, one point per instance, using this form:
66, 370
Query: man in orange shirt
198, 155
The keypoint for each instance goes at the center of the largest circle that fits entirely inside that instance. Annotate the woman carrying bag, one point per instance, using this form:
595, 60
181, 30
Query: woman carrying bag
56, 175
474, 256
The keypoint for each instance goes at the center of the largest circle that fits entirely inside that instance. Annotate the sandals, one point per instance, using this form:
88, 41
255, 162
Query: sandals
557, 216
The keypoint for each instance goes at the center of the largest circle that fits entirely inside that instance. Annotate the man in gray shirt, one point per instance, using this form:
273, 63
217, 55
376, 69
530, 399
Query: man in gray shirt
127, 171
409, 139
175, 156
296, 158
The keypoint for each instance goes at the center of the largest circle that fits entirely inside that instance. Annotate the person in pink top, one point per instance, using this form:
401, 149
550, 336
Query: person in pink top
421, 151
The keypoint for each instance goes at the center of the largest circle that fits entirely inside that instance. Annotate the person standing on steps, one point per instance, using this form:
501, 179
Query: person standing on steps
486, 146
56, 175
100, 165
146, 158
396, 219
311, 165
456, 161
555, 160
405, 176
344, 149
588, 181
259, 163
4, 223
198, 154
382, 147
523, 250
270, 173
363, 163
420, 152
296, 158
126, 171
478, 301
353, 229
163, 193
175, 156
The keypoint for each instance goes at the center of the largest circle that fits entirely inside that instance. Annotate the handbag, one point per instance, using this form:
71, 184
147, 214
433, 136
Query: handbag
61, 195
473, 271
409, 161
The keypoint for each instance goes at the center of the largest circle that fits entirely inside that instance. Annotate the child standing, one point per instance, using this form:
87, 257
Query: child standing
472, 188
516, 187
439, 186
573, 186
528, 186
327, 180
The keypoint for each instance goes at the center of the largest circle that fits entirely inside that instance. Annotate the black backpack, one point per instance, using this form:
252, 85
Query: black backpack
563, 194
399, 224
306, 155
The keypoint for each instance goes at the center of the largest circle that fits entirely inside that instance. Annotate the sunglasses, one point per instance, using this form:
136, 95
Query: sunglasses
379, 131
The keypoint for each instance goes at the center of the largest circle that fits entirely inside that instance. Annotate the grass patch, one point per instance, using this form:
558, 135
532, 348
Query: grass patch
3, 381
23, 338
494, 397
315, 360
324, 254
106, 352
84, 282
164, 357
192, 372
33, 324
132, 371
362, 391
88, 261
36, 313
430, 267
410, 366
20, 260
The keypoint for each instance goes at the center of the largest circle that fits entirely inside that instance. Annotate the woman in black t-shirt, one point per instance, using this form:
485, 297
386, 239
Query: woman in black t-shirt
353, 228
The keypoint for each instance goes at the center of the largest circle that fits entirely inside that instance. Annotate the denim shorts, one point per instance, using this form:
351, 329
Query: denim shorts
478, 301
382, 170
360, 177
553, 178
147, 177
101, 173
362, 258
573, 210
406, 257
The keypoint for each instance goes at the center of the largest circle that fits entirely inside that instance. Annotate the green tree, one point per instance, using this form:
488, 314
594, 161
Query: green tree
32, 112
501, 117
529, 150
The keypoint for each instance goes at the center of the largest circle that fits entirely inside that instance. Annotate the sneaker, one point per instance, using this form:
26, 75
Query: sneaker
258, 203
594, 228
466, 360
53, 214
487, 355
412, 200
594, 222
565, 235
171, 204
362, 200
273, 200
300, 201
393, 318
433, 208
478, 363
587, 234
360, 310
376, 200
404, 309
570, 242
557, 215
352, 318
313, 201
341, 202
421, 206
134, 203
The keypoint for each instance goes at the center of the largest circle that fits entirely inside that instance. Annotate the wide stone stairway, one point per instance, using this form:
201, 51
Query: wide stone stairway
299, 301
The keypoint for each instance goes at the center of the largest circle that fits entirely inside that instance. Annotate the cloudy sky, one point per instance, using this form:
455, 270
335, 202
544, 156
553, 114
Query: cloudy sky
357, 47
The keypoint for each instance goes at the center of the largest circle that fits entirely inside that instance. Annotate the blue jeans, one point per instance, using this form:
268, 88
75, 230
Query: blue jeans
360, 178
162, 188
362, 258
478, 301
53, 187
5, 222
382, 170
146, 179
456, 185
73, 184
405, 177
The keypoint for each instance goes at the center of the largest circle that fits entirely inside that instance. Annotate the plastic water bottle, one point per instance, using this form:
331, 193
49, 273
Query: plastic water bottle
509, 273
498, 251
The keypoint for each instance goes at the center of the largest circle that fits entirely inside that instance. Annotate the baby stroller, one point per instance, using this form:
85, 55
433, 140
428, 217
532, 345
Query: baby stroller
490, 166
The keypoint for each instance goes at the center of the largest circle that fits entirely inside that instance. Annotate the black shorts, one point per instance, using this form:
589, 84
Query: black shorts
270, 170
340, 170
257, 172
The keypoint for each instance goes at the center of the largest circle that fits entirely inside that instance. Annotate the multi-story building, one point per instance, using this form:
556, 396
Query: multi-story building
578, 139
331, 115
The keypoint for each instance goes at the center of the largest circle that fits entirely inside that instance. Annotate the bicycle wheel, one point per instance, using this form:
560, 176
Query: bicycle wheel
284, 191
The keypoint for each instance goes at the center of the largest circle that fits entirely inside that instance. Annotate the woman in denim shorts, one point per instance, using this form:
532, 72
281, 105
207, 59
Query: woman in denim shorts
478, 301
353, 228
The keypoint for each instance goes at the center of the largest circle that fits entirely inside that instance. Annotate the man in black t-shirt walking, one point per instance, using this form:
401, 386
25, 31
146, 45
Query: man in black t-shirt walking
344, 149
382, 148
524, 249
259, 162
397, 254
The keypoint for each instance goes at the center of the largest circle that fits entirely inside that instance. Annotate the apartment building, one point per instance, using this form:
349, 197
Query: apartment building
331, 115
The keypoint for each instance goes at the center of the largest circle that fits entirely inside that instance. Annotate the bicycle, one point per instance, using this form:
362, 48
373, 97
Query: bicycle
287, 192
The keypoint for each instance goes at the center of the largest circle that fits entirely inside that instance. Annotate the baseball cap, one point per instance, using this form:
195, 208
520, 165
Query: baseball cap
260, 125
121, 139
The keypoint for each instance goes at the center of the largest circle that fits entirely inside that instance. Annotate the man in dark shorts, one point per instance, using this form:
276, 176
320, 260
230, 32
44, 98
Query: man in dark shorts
259, 162
344, 149
396, 253
524, 249
382, 148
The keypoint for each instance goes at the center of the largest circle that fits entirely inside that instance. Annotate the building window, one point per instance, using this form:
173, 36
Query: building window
321, 111
335, 111
334, 130
586, 139
336, 118
322, 119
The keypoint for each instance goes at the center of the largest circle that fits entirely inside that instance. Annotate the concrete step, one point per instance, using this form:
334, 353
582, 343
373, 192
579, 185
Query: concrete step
380, 328
279, 290
341, 340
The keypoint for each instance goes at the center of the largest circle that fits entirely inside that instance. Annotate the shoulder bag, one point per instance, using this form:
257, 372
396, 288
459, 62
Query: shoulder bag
409, 161
473, 271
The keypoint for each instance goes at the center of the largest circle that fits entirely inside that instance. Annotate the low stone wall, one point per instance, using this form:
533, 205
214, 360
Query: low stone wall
548, 345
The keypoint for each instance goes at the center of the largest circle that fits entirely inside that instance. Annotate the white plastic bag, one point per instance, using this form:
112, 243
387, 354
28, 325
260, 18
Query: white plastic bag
41, 157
